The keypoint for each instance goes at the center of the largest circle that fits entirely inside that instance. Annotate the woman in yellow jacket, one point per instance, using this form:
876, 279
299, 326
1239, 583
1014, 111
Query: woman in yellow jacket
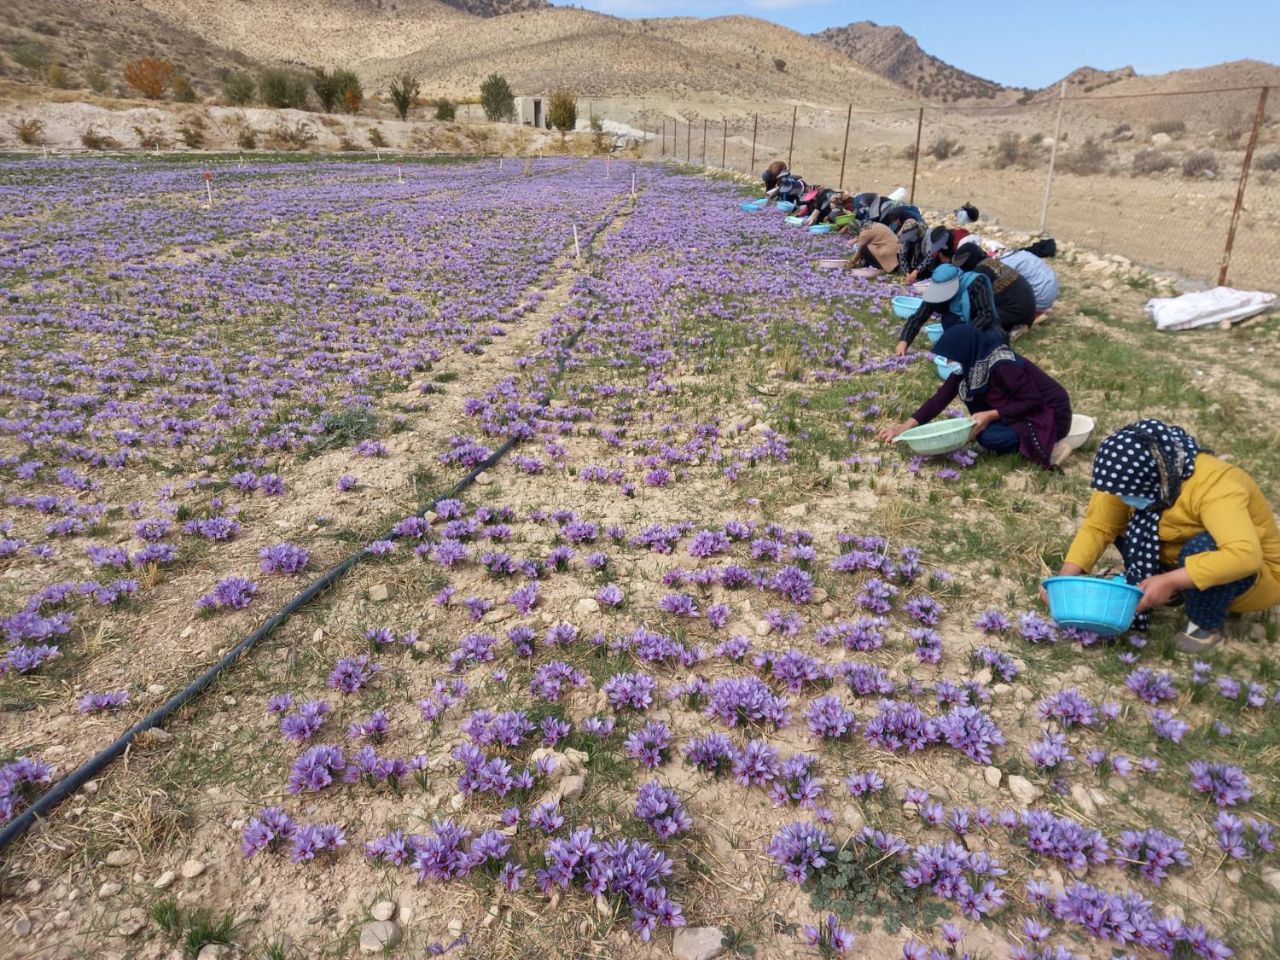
1185, 523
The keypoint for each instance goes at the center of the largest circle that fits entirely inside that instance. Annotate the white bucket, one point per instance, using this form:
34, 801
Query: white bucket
899, 195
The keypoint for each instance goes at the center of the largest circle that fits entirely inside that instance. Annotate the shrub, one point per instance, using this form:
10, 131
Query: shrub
30, 55
191, 131
1174, 128
779, 64
1201, 163
1149, 160
97, 80
247, 138
283, 89
597, 134
1008, 151
28, 130
404, 92
295, 136
496, 98
151, 137
350, 93
94, 139
1085, 160
943, 147
238, 88
150, 76
347, 145
445, 110
56, 76
562, 111
908, 152
376, 138
183, 92
1268, 162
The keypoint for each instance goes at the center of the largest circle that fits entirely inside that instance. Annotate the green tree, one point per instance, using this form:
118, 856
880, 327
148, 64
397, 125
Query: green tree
238, 89
350, 92
284, 89
562, 111
404, 92
496, 98
445, 110
326, 88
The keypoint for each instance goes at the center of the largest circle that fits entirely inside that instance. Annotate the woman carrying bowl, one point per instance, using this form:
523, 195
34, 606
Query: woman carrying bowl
1015, 406
1186, 524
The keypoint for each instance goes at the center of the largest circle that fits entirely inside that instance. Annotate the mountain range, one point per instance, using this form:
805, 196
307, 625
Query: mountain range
451, 45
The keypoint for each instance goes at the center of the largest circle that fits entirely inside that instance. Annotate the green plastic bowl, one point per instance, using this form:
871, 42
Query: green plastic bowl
938, 437
796, 221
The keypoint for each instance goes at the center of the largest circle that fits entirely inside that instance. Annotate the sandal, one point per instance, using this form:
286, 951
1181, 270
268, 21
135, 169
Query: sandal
1197, 640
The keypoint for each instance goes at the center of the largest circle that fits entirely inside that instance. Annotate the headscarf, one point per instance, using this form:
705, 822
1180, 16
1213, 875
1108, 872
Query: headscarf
1149, 459
978, 352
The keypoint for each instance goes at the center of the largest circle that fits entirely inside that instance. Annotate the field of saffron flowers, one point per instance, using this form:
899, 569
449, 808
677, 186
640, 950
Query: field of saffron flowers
699, 666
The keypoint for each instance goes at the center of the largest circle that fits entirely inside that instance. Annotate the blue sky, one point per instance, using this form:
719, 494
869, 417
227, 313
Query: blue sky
1029, 43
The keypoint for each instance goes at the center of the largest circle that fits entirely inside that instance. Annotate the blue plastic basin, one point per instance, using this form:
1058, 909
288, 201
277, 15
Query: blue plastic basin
940, 364
933, 331
753, 204
786, 206
1104, 607
906, 306
821, 228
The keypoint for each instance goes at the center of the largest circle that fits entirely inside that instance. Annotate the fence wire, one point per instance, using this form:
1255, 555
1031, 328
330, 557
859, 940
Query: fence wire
1151, 178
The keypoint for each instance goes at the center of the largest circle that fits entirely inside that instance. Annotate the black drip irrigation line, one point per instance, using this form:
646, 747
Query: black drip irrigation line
78, 777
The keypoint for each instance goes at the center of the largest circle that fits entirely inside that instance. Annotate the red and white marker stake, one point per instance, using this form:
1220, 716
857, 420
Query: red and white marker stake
399, 172
208, 186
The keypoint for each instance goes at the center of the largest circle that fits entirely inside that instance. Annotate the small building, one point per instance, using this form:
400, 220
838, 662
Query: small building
531, 112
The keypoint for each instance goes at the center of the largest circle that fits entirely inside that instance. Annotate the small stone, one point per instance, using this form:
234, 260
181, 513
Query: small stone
992, 775
828, 611
496, 615
455, 927
1023, 790
165, 880
192, 869
457, 802
214, 951
22, 927
697, 943
586, 606
383, 910
380, 593
377, 935
762, 628
131, 923
483, 478
121, 858
91, 787
853, 817
1272, 877
798, 510
109, 889
1080, 797
571, 787
32, 887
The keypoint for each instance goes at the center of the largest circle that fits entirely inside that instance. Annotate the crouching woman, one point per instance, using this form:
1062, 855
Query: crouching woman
1015, 406
1186, 524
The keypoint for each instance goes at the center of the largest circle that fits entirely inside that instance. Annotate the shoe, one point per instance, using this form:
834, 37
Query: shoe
1196, 639
1017, 333
1058, 455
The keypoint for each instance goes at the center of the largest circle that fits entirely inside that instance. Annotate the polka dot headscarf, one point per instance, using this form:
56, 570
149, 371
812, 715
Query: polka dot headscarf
1148, 459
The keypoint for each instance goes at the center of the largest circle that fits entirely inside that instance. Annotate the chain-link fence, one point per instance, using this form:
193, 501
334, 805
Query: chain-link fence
1185, 182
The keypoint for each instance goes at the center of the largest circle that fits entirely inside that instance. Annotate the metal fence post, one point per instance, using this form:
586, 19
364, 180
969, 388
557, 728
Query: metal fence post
704, 141
724, 147
664, 138
1053, 157
792, 145
755, 125
688, 141
844, 154
915, 157
1244, 180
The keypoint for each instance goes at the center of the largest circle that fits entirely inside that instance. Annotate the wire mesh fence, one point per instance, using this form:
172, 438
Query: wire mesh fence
1186, 183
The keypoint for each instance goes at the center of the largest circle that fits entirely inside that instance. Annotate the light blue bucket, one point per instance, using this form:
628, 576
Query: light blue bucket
786, 206
1104, 607
906, 306
933, 331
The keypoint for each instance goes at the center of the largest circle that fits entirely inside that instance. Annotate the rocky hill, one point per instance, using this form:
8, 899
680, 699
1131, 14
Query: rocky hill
895, 55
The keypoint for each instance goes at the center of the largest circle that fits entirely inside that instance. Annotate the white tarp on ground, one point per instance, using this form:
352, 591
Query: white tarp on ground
1205, 307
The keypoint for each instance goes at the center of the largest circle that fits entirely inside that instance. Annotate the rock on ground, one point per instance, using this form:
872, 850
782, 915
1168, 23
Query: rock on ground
379, 934
697, 943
